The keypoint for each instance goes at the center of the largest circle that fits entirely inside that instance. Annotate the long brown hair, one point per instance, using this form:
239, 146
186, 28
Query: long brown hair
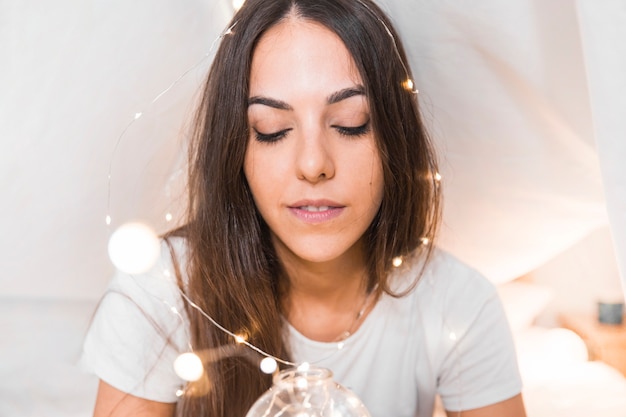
232, 269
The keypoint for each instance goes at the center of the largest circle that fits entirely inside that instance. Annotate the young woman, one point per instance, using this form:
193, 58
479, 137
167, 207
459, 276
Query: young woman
313, 204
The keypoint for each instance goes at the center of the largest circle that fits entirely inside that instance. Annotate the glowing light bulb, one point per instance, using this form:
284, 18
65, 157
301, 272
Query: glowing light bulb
107, 220
138, 115
134, 248
437, 176
188, 366
239, 338
168, 217
452, 336
301, 383
397, 261
179, 393
425, 241
268, 365
304, 367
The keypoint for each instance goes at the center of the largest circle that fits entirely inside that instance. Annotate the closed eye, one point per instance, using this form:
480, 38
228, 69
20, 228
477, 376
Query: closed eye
353, 131
270, 137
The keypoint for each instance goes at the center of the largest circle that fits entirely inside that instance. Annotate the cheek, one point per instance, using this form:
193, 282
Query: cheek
251, 169
377, 184
255, 166
372, 177
376, 188
248, 164
261, 179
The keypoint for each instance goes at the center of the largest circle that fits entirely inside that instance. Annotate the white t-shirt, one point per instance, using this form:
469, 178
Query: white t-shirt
449, 336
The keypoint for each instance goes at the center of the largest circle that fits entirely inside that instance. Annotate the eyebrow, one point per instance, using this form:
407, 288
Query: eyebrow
335, 97
270, 102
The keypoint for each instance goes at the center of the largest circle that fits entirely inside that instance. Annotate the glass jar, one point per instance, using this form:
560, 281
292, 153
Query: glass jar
307, 392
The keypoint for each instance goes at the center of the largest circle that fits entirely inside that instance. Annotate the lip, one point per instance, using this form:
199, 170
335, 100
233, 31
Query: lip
331, 210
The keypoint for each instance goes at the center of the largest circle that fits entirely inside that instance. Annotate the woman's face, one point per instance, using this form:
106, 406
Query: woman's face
311, 162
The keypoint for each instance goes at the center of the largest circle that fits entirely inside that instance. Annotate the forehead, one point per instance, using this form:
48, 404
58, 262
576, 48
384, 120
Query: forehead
299, 53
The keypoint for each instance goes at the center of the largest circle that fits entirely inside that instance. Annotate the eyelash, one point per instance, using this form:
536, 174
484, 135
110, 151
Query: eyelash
270, 137
342, 130
354, 131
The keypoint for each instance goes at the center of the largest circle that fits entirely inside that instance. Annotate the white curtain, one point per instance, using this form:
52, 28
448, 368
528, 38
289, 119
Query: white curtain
603, 30
525, 100
73, 75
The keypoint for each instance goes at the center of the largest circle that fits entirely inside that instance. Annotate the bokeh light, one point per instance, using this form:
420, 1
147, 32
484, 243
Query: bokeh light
134, 248
189, 367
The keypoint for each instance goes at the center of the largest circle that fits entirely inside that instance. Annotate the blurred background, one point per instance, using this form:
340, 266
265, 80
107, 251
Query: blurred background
525, 101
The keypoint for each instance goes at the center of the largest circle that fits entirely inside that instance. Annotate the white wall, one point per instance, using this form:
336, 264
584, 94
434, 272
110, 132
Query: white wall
73, 75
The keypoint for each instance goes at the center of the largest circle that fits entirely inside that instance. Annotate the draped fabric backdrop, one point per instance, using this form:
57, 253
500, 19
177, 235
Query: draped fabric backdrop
525, 100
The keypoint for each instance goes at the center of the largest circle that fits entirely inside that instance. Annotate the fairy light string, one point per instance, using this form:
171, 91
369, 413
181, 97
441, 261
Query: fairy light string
407, 84
238, 338
191, 369
108, 218
189, 363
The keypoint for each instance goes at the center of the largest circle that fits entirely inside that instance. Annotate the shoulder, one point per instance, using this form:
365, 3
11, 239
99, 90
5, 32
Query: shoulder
444, 277
152, 295
451, 296
139, 329
446, 271
459, 290
469, 334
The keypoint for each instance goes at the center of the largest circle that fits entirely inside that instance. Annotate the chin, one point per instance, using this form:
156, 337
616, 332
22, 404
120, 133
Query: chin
319, 249
323, 252
314, 256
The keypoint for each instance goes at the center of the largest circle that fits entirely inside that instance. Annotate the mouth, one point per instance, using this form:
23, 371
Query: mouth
315, 206
315, 209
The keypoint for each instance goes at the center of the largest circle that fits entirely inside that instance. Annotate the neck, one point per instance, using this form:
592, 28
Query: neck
345, 274
323, 300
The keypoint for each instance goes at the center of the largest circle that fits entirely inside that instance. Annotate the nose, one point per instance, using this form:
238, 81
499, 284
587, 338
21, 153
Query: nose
314, 160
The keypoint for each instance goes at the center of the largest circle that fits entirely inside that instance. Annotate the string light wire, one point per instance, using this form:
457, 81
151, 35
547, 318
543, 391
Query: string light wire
235, 336
227, 31
407, 84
